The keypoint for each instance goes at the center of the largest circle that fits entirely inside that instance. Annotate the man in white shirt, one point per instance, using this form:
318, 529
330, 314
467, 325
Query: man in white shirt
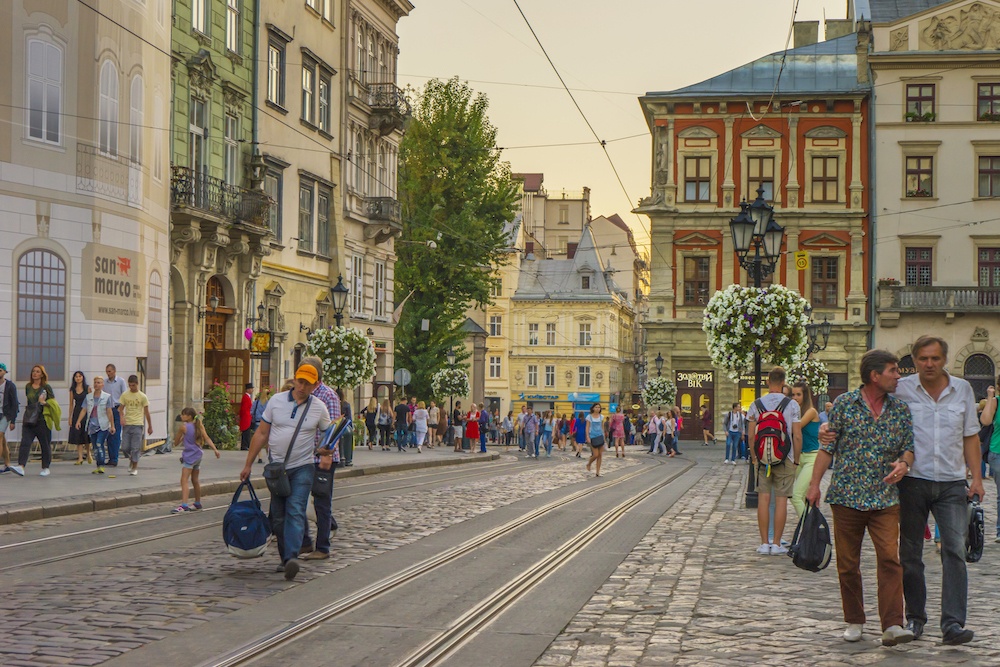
733, 422
780, 479
277, 428
115, 385
520, 427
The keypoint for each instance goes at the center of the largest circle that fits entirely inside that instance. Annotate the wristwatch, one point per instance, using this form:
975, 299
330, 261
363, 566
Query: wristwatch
903, 461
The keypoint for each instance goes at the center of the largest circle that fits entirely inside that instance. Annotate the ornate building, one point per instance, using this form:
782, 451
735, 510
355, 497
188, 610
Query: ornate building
800, 132
84, 178
937, 161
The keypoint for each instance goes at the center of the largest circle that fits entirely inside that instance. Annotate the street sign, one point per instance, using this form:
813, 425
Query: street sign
402, 377
802, 261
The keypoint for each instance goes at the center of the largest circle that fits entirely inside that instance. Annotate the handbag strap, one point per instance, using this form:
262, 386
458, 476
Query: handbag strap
295, 435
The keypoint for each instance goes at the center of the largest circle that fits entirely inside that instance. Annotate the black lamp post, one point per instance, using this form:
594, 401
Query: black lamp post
754, 229
251, 321
815, 332
659, 364
451, 400
339, 295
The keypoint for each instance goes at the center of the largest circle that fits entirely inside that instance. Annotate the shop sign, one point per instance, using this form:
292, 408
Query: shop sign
584, 397
261, 342
540, 397
695, 379
747, 380
113, 282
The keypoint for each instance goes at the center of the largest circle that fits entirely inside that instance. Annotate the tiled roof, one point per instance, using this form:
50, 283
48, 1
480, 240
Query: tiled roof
887, 11
532, 182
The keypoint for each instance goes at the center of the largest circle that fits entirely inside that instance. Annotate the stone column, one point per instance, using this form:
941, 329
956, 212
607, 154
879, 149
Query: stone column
728, 186
792, 246
793, 160
856, 187
856, 298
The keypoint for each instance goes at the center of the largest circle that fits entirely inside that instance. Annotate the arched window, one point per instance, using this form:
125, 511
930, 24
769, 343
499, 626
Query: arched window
135, 120
383, 175
980, 372
44, 91
372, 173
41, 313
383, 66
108, 112
154, 331
359, 41
359, 163
372, 58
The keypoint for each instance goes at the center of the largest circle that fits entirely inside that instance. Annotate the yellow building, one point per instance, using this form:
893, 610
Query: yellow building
569, 333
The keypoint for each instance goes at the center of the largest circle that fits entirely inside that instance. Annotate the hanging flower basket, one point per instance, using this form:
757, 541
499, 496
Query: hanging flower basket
741, 320
348, 356
450, 382
813, 373
659, 391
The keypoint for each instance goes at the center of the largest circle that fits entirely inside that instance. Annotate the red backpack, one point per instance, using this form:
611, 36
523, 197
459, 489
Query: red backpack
771, 442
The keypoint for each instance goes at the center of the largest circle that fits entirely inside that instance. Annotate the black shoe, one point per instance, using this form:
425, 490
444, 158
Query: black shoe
916, 627
957, 635
291, 569
280, 567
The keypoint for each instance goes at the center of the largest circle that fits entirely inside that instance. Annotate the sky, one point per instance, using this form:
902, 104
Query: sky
609, 53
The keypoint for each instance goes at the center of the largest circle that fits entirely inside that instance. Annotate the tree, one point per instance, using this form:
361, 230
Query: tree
456, 192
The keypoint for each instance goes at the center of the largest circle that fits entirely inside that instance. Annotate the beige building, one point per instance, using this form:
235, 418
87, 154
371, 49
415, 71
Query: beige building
937, 167
84, 194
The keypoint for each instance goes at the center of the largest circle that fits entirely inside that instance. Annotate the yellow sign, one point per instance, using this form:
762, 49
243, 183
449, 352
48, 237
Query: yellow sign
802, 261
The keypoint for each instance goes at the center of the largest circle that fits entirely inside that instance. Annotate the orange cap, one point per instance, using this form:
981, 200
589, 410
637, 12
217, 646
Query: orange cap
307, 373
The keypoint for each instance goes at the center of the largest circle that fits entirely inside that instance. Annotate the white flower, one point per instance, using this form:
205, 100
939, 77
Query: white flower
348, 356
450, 382
659, 391
813, 373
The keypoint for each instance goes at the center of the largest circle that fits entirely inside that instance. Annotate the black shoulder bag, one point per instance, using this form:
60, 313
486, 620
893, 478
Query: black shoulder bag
275, 474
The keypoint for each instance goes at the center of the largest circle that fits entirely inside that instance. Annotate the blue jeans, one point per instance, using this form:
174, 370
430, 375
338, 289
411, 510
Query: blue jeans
948, 502
115, 439
401, 439
324, 520
531, 442
482, 441
288, 515
732, 445
547, 439
677, 439
98, 443
521, 440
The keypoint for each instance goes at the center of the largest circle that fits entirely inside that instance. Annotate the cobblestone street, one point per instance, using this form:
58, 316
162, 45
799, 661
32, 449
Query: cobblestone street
694, 592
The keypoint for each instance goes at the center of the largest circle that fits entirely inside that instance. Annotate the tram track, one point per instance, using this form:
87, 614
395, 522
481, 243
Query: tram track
470, 623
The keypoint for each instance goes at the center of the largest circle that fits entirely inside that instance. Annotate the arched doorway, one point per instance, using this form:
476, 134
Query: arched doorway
223, 365
980, 372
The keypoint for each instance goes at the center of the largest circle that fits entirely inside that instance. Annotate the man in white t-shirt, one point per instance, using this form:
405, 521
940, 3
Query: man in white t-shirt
780, 479
277, 427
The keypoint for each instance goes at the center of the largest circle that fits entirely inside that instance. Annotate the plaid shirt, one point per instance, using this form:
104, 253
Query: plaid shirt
332, 403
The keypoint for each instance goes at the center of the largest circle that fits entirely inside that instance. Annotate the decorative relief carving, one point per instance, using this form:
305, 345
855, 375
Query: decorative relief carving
696, 132
761, 131
975, 27
981, 334
899, 40
826, 132
662, 157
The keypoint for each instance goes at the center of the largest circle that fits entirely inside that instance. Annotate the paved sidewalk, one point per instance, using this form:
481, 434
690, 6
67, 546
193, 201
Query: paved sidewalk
73, 489
695, 592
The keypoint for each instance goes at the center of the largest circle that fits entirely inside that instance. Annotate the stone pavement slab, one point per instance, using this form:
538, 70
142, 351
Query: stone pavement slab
695, 592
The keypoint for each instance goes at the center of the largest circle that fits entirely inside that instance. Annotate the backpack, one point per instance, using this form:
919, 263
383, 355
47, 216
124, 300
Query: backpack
811, 547
245, 528
976, 536
771, 442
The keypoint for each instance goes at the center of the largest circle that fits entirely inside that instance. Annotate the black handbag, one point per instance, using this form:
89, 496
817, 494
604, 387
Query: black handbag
275, 474
811, 547
32, 414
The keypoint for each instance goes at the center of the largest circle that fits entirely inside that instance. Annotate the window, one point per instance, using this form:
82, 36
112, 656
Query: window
359, 57
585, 334
199, 15
372, 174
696, 280
308, 91
824, 179
324, 103
154, 331
232, 150
920, 176
550, 376
233, 25
550, 333
760, 174
979, 371
135, 121
697, 178
44, 91
920, 101
532, 376
359, 162
496, 289
305, 216
383, 66
824, 282
989, 268
41, 314
494, 368
571, 250
276, 73
197, 139
357, 285
533, 333
323, 223
584, 282
496, 325
989, 176
584, 376
918, 267
158, 138
108, 111
372, 57
380, 289
563, 214
989, 101
383, 175
272, 187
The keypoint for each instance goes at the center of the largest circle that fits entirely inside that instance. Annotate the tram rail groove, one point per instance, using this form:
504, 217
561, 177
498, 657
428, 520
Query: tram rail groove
265, 644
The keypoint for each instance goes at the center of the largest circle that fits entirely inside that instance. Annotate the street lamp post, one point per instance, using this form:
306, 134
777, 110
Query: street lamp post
816, 331
754, 228
659, 364
451, 401
339, 295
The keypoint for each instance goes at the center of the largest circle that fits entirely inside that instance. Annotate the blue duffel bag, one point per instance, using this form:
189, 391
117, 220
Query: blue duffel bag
246, 530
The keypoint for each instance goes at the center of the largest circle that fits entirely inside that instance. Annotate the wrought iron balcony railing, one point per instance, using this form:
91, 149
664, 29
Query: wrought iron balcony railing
387, 97
212, 195
385, 209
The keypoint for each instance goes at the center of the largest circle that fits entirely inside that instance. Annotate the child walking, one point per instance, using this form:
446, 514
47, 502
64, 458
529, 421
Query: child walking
191, 433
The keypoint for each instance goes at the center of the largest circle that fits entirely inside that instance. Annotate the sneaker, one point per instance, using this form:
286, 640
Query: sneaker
997, 540
180, 509
18, 470
785, 543
957, 635
853, 632
197, 506
915, 627
777, 550
316, 555
44, 473
291, 569
764, 549
895, 634
8, 469
133, 471
726, 461
97, 471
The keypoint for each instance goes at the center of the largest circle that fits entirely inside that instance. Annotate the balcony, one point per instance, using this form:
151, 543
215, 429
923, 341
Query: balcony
385, 218
206, 194
390, 108
114, 177
949, 301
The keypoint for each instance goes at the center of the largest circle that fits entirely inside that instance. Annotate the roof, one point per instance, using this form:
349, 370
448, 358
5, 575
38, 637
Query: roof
532, 182
887, 11
825, 67
470, 327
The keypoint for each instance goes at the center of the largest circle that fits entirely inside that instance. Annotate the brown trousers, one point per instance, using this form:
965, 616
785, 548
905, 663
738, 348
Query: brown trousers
848, 531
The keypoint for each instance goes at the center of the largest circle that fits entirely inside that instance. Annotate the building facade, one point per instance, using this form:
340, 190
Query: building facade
937, 161
802, 136
84, 194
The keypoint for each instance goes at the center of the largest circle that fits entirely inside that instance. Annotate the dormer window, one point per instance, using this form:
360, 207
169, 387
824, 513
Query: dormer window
585, 282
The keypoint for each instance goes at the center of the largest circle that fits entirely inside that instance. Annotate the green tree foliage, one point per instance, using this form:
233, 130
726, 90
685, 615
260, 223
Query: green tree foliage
456, 192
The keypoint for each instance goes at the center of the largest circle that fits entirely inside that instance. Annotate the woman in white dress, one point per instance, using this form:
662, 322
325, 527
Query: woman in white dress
420, 420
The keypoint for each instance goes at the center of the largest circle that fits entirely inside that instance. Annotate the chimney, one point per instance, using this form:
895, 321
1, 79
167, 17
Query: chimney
864, 44
806, 33
838, 28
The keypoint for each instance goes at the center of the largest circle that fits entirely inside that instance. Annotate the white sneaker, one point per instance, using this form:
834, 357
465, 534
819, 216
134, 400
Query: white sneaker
853, 632
764, 549
777, 550
18, 470
133, 471
896, 634
726, 461
44, 473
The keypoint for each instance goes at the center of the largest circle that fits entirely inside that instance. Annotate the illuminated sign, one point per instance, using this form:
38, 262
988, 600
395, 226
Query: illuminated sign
695, 379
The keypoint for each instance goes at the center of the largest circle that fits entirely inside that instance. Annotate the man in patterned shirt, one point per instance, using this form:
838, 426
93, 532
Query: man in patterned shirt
326, 524
874, 450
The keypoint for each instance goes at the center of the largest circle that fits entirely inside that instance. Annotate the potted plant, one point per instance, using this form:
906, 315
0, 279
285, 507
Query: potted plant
813, 373
450, 382
887, 282
348, 356
989, 116
919, 192
659, 391
219, 418
917, 117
